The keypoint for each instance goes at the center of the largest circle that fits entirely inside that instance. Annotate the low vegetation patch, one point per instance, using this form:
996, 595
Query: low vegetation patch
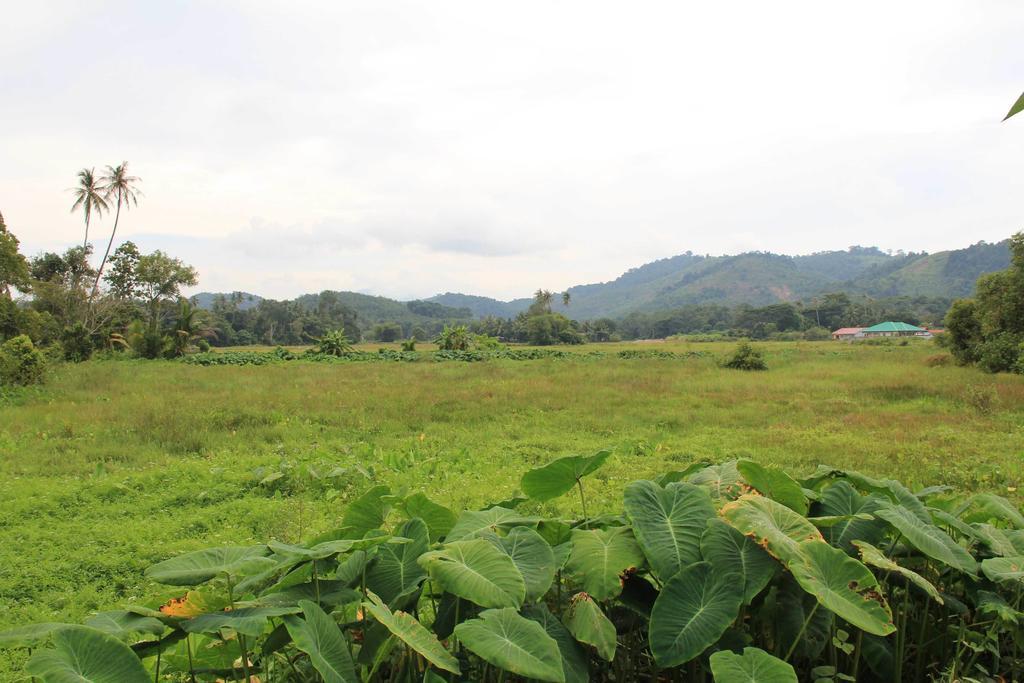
708, 571
746, 357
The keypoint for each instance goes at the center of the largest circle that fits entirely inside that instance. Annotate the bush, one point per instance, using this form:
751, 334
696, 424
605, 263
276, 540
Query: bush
457, 338
999, 353
77, 343
938, 360
203, 345
334, 343
746, 357
21, 363
409, 344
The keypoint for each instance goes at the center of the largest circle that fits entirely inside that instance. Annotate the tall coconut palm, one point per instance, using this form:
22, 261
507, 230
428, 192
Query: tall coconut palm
89, 198
116, 184
566, 297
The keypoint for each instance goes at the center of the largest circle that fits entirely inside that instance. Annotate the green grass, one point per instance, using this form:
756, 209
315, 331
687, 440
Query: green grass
114, 465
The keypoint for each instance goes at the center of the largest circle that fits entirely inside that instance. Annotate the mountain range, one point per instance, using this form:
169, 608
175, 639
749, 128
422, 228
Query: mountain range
754, 278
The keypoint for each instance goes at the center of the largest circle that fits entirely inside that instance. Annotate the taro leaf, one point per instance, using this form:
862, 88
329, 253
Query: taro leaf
511, 503
985, 507
1000, 569
791, 610
599, 558
1017, 107
198, 567
395, 571
368, 511
1000, 541
249, 621
472, 522
450, 612
589, 625
29, 635
668, 523
192, 604
323, 591
412, 633
125, 625
574, 659
680, 475
991, 603
775, 484
753, 666
929, 539
477, 571
771, 525
554, 531
693, 610
730, 551
350, 569
843, 585
880, 655
508, 641
319, 637
638, 594
874, 557
531, 555
85, 655
559, 476
723, 482
943, 518
895, 491
842, 499
438, 518
326, 549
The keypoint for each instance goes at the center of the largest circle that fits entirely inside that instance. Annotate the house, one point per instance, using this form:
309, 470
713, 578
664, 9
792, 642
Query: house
893, 329
847, 333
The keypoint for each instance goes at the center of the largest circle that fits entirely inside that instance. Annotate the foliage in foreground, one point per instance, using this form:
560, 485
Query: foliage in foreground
735, 571
21, 363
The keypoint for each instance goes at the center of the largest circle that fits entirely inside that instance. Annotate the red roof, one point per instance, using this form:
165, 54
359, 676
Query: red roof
848, 330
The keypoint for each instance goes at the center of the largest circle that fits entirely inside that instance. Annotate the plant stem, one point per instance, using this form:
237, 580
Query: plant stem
241, 638
856, 654
583, 504
800, 635
159, 651
188, 648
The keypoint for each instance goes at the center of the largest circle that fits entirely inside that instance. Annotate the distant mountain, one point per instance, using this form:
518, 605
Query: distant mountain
755, 278
246, 300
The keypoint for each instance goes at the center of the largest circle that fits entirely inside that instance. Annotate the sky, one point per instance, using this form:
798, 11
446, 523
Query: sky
412, 148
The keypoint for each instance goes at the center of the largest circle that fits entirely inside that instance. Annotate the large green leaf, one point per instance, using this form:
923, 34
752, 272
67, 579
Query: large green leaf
668, 523
791, 607
368, 511
1017, 107
599, 557
692, 612
772, 525
438, 518
531, 555
477, 571
509, 641
473, 522
929, 539
723, 482
1007, 543
125, 625
558, 477
843, 585
1000, 569
841, 499
412, 633
319, 637
895, 491
589, 625
574, 659
29, 635
85, 655
874, 557
250, 621
753, 666
774, 483
985, 507
326, 549
395, 571
198, 567
730, 551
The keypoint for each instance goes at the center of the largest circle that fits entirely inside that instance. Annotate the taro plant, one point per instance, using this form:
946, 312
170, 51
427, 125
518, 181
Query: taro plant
333, 343
730, 572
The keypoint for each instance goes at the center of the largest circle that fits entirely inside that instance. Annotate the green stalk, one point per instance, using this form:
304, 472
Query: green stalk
856, 653
583, 504
901, 634
156, 676
188, 648
919, 657
800, 635
241, 638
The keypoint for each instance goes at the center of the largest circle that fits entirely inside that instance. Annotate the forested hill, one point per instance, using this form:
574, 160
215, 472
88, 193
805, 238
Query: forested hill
755, 278
759, 278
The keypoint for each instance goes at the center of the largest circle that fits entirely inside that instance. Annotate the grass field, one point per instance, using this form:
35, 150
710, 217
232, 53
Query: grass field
114, 465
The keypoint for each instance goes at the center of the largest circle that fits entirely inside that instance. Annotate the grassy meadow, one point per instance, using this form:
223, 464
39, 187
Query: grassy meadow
114, 465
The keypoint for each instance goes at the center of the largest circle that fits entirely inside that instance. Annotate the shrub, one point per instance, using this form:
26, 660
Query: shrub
409, 344
77, 343
999, 353
334, 343
21, 363
746, 357
938, 360
203, 345
981, 398
456, 338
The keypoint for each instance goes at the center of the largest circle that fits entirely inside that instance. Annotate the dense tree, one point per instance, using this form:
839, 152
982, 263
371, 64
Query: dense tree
14, 267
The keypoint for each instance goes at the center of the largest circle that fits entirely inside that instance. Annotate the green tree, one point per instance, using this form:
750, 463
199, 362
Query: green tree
122, 276
159, 278
121, 187
190, 326
14, 268
89, 198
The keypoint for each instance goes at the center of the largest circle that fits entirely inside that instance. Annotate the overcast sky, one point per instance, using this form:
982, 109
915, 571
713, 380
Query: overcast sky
412, 148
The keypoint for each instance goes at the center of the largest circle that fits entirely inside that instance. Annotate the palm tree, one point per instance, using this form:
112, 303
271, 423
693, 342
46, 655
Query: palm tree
89, 198
565, 298
116, 183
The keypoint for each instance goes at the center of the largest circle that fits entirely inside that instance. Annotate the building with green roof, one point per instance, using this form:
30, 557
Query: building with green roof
892, 329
